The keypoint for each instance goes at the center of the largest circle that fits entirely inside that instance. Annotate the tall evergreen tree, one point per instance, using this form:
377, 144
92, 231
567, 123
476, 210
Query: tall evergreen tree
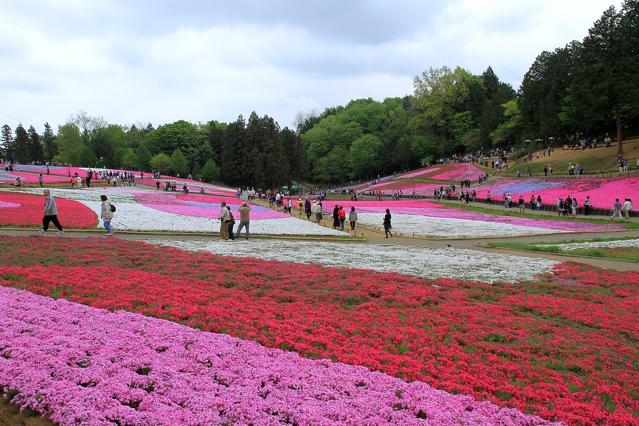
36, 152
233, 152
6, 142
48, 140
21, 145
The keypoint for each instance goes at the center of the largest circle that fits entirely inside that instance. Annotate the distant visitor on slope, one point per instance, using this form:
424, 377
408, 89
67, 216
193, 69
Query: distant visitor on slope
231, 224
342, 218
316, 209
616, 212
245, 219
352, 218
307, 208
625, 209
106, 214
50, 213
387, 223
224, 221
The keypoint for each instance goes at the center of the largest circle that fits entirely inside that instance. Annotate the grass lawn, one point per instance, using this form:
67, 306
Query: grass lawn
598, 160
617, 253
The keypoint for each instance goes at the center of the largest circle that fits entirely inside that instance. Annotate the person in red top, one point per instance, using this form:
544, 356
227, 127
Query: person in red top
342, 218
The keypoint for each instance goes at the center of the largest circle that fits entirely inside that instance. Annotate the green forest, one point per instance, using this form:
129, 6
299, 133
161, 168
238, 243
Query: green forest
587, 88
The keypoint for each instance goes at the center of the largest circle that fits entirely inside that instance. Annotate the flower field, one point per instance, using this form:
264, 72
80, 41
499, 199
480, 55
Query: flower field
446, 172
141, 209
10, 177
563, 346
24, 209
100, 367
602, 191
630, 243
418, 261
426, 218
409, 182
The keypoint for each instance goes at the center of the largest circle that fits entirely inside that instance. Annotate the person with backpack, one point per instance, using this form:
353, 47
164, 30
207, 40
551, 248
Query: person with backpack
106, 214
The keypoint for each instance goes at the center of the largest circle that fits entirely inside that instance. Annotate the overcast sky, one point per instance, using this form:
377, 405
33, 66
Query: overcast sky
160, 61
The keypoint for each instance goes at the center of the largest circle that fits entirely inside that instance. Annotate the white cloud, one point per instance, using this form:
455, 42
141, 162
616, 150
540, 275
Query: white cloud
148, 62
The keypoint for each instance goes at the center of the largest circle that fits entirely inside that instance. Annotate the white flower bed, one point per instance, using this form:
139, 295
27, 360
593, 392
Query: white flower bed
450, 228
132, 216
418, 261
594, 244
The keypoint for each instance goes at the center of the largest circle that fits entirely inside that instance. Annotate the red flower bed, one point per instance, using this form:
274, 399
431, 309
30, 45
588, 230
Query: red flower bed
564, 347
27, 210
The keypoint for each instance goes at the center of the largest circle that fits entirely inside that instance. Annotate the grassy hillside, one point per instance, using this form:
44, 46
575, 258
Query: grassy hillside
598, 160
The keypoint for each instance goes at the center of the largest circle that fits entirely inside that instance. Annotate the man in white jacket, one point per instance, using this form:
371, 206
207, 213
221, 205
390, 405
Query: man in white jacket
225, 218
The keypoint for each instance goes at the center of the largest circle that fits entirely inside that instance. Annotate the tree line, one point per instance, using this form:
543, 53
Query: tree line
253, 153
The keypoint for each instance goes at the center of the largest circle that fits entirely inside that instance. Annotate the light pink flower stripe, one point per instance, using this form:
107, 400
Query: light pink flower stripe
83, 365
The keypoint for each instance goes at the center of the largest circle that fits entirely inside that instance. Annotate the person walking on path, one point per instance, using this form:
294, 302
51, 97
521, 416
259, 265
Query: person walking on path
245, 219
106, 214
40, 180
224, 221
307, 208
336, 217
387, 224
231, 223
587, 205
50, 213
342, 218
616, 213
625, 209
316, 209
352, 218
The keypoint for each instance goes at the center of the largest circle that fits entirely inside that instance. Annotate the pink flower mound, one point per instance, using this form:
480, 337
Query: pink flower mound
199, 205
10, 177
459, 171
418, 173
32, 177
381, 206
82, 365
429, 209
8, 205
602, 191
193, 185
